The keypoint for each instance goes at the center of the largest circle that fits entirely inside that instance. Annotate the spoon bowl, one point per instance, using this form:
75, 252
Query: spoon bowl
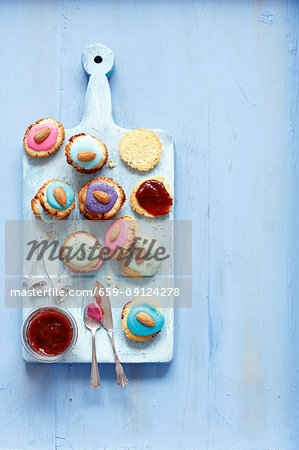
92, 320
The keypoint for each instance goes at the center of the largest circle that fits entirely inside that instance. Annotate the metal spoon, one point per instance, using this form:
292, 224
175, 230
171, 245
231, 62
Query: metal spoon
93, 325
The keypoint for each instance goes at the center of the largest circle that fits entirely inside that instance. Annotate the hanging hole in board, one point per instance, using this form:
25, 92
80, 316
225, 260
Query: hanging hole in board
98, 59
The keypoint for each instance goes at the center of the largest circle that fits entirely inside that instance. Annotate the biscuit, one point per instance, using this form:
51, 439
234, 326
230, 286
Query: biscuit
141, 261
85, 153
81, 252
43, 138
120, 237
101, 198
158, 200
40, 212
140, 149
146, 304
47, 198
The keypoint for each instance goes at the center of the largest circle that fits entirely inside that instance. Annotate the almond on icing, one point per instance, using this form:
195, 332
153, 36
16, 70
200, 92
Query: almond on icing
47, 143
86, 156
60, 195
145, 319
114, 232
140, 254
101, 196
41, 135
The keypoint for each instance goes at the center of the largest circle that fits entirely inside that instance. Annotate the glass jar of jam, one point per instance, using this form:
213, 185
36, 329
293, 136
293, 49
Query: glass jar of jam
49, 333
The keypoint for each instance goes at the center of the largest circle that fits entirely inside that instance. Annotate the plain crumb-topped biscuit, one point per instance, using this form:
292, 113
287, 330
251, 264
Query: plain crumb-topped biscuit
140, 149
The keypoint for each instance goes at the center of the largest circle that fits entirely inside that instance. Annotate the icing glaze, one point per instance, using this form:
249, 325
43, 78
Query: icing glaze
48, 143
121, 239
68, 191
149, 265
81, 245
86, 143
94, 311
94, 205
139, 328
44, 216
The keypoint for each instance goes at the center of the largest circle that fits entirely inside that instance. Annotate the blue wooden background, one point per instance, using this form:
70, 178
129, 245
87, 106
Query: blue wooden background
222, 78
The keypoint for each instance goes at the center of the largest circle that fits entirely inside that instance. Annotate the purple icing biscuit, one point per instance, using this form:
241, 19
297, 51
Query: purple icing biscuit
93, 204
101, 198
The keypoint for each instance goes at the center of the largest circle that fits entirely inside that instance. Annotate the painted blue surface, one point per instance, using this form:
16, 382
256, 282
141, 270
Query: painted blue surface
222, 78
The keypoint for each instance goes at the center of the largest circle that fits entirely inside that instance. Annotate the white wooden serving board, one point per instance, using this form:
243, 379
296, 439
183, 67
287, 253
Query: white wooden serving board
97, 120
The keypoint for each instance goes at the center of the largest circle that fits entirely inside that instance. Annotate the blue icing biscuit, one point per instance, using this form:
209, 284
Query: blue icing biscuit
85, 153
68, 192
86, 143
138, 328
44, 216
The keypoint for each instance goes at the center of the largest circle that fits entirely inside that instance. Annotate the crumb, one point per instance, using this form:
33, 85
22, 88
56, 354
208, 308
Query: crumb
109, 277
109, 282
111, 164
71, 399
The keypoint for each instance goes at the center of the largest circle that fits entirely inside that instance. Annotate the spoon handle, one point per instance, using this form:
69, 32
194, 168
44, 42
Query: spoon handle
121, 376
94, 376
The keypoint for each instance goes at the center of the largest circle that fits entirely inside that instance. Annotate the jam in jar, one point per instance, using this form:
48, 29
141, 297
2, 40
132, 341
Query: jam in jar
50, 332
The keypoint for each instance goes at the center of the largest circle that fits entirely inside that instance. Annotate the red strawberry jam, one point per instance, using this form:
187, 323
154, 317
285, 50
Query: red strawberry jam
50, 333
154, 198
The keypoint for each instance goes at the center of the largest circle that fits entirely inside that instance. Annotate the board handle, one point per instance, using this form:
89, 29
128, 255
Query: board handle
98, 62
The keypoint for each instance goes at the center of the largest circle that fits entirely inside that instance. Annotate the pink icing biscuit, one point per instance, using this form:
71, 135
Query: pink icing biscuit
46, 143
99, 264
120, 235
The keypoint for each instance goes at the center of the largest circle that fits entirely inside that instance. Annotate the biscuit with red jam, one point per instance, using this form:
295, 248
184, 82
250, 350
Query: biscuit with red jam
152, 197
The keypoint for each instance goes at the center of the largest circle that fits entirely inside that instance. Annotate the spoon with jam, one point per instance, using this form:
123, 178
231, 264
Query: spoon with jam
93, 321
